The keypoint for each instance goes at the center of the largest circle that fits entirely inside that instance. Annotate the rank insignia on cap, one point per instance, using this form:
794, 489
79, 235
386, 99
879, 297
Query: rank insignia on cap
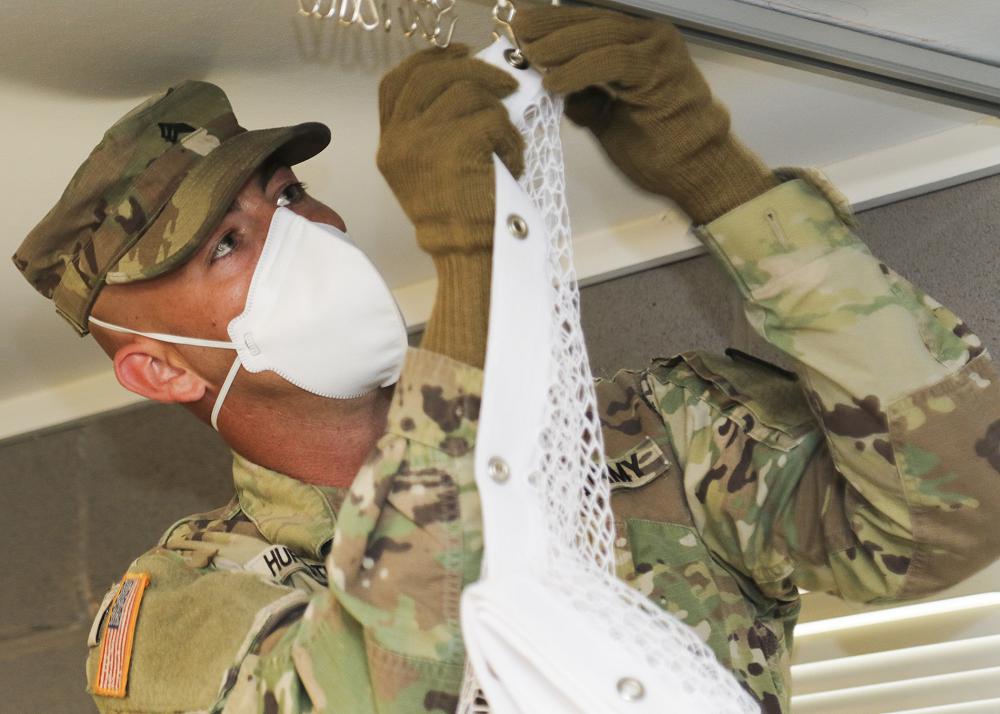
116, 645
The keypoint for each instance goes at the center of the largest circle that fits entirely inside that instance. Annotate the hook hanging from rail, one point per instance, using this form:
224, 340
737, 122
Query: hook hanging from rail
503, 15
435, 20
439, 36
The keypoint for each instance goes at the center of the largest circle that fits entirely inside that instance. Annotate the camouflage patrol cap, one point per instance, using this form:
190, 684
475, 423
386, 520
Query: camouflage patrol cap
150, 193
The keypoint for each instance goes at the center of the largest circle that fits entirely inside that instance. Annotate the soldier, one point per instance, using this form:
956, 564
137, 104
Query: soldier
330, 582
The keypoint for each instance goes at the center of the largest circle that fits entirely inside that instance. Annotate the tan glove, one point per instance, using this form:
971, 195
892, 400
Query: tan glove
632, 82
442, 120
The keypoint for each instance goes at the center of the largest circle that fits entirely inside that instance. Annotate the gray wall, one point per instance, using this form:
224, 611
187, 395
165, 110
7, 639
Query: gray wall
80, 502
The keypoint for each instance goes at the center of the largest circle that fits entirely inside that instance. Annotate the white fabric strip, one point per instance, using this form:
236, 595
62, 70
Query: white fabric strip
549, 627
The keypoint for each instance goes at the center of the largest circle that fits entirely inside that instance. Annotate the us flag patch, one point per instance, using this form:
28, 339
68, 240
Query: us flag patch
116, 645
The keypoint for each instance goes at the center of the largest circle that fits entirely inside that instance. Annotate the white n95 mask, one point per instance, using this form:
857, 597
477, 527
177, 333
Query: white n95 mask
317, 313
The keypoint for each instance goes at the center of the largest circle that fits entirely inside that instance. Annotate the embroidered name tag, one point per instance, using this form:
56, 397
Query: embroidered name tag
278, 563
111, 677
636, 467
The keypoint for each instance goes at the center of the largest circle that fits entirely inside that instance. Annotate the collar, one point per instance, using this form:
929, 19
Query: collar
285, 510
435, 403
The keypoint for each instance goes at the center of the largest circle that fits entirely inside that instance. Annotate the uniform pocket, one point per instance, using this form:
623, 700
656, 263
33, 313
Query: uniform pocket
761, 400
674, 568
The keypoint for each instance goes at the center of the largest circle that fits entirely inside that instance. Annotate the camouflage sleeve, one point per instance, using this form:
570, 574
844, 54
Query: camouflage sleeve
302, 666
385, 636
880, 479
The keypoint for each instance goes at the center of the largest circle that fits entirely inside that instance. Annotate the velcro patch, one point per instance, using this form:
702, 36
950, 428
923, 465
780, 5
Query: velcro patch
637, 466
95, 628
111, 677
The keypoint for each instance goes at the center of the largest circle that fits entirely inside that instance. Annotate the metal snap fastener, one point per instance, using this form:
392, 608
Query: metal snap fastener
515, 58
517, 226
631, 689
498, 469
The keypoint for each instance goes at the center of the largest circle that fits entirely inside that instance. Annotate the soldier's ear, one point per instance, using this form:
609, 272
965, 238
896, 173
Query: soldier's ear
155, 371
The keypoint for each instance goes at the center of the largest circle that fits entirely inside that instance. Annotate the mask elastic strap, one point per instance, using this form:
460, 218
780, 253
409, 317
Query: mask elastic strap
194, 341
223, 391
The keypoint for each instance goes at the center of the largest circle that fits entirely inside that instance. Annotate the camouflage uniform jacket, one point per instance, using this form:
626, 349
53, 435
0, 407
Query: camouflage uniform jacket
872, 472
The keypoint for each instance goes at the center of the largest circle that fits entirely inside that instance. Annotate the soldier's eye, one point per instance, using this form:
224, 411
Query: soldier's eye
225, 246
292, 193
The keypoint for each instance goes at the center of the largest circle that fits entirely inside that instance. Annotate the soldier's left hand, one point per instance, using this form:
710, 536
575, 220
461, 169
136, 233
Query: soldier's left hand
625, 78
592, 48
632, 82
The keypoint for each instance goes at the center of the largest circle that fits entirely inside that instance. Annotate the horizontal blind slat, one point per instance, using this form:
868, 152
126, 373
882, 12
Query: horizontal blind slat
891, 665
980, 706
892, 696
898, 628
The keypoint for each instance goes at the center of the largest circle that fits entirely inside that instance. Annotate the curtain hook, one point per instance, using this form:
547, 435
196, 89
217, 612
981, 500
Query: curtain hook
374, 20
443, 8
342, 12
412, 24
503, 15
386, 16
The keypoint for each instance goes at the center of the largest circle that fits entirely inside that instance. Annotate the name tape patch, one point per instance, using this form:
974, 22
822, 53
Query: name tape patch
278, 562
111, 677
636, 467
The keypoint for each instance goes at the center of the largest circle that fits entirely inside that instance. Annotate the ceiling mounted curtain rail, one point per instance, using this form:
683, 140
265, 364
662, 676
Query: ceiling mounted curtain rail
764, 31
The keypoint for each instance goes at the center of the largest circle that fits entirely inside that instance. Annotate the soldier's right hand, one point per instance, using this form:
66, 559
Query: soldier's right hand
442, 120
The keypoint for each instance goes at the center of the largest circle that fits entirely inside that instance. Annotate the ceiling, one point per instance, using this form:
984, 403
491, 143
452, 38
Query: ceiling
68, 69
